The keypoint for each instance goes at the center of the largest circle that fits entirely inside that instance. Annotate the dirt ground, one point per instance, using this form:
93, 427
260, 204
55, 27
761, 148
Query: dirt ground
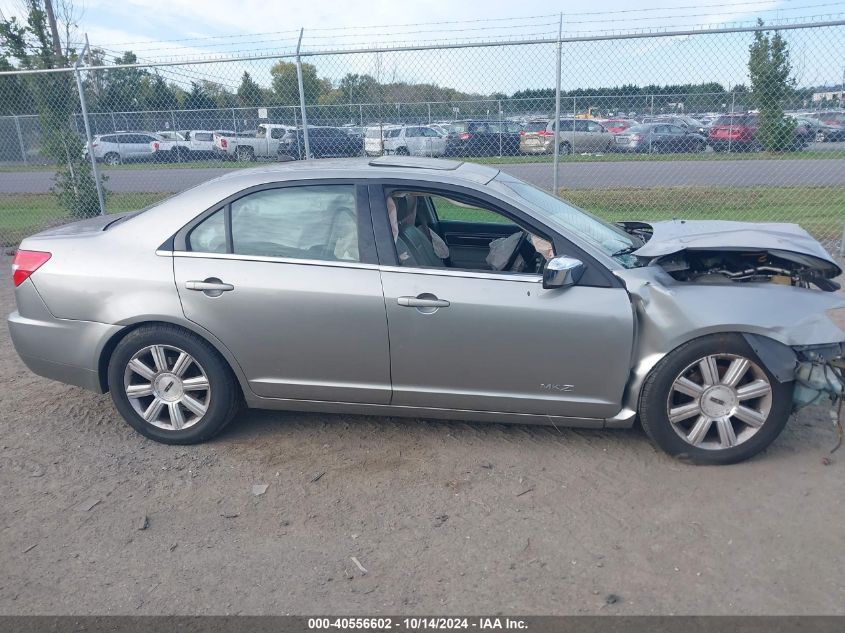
446, 518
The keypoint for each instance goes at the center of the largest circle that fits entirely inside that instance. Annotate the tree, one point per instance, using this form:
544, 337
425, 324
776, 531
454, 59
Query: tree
770, 72
250, 94
198, 98
123, 86
286, 85
54, 97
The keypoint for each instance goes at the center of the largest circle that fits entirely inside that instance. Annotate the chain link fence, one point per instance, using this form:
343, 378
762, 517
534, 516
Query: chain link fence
706, 124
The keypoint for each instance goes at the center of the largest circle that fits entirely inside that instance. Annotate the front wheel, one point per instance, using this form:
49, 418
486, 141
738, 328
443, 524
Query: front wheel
172, 386
712, 401
564, 149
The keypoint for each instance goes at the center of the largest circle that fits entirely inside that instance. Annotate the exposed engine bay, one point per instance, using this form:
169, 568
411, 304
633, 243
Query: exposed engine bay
695, 258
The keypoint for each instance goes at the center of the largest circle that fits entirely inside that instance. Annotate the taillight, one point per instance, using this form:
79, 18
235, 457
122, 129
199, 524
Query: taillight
545, 133
26, 263
224, 143
155, 146
464, 136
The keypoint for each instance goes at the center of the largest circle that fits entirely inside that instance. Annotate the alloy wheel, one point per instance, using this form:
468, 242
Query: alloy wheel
167, 387
719, 401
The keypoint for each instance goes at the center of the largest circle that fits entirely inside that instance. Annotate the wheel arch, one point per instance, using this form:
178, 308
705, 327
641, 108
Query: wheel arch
777, 357
216, 344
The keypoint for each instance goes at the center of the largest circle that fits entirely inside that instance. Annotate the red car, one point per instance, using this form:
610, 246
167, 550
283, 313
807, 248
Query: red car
616, 126
734, 133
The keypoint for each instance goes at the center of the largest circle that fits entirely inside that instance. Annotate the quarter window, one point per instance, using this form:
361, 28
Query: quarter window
209, 236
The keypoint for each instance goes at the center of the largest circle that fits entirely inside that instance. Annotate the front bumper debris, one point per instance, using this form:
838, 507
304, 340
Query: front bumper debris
820, 375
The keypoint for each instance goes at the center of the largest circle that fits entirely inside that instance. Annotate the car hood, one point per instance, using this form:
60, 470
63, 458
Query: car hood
788, 241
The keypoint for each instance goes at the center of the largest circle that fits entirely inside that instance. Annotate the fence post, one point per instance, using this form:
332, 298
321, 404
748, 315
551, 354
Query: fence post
175, 137
302, 98
20, 139
88, 139
556, 128
842, 243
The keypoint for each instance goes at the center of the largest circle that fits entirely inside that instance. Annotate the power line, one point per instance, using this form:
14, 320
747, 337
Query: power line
454, 22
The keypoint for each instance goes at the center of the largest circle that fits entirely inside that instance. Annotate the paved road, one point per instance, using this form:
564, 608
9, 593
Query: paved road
609, 175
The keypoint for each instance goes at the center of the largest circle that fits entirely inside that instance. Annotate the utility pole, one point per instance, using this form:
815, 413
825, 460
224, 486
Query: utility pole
54, 31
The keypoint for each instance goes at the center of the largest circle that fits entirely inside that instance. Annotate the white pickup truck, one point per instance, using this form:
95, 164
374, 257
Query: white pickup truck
264, 144
186, 144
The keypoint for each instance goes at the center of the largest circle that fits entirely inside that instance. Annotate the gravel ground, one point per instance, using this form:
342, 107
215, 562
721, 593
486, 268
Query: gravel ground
446, 518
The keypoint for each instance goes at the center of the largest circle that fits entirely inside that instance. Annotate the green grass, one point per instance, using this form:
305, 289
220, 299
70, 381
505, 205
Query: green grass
23, 214
820, 210
834, 152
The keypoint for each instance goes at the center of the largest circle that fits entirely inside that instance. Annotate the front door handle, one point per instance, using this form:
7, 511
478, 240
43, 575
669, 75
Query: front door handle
212, 286
422, 302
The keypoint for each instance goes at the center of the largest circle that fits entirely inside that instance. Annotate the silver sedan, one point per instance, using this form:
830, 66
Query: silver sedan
429, 288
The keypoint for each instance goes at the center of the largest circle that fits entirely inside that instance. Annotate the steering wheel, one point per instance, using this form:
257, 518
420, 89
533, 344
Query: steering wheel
516, 250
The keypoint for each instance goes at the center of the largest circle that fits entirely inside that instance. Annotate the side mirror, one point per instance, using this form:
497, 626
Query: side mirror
562, 272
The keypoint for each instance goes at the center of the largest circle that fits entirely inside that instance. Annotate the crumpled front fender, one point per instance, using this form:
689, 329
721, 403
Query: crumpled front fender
670, 313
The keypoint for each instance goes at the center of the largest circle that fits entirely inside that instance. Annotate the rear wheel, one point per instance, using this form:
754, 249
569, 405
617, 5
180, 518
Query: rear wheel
711, 401
112, 159
244, 154
564, 149
171, 386
402, 151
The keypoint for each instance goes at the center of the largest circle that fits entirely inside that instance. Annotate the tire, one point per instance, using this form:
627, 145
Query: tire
205, 411
244, 154
565, 149
402, 151
726, 438
112, 159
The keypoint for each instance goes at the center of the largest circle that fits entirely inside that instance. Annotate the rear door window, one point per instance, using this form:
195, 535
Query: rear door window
308, 222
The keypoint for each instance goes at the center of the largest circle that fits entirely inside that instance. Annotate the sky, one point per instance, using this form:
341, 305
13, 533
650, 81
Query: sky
161, 30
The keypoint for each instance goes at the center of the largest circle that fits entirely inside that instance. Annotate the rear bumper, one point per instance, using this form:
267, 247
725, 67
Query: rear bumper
60, 349
536, 149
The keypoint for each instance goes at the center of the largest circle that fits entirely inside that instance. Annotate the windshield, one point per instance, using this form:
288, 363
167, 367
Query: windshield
608, 238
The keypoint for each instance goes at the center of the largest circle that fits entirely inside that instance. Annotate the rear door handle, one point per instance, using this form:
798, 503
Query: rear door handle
212, 286
417, 302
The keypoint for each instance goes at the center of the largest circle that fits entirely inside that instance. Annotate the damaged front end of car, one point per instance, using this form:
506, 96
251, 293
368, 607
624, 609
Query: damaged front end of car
772, 283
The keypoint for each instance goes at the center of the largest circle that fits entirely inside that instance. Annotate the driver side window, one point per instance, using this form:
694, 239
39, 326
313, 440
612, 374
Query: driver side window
442, 231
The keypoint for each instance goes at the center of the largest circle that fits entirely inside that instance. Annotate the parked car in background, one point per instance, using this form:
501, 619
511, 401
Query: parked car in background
415, 140
659, 138
324, 142
686, 122
738, 133
831, 117
734, 132
123, 147
187, 144
615, 126
440, 128
374, 138
265, 143
574, 136
822, 132
483, 138
316, 287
